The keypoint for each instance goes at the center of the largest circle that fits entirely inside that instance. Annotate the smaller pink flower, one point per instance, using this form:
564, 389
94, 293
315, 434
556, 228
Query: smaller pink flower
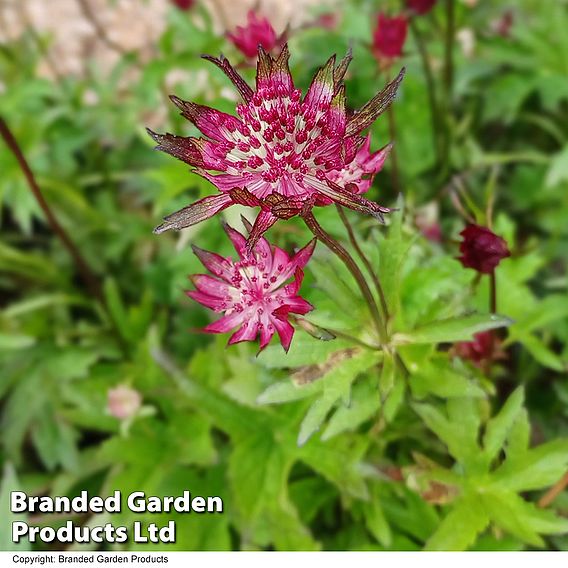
123, 402
258, 31
254, 293
389, 36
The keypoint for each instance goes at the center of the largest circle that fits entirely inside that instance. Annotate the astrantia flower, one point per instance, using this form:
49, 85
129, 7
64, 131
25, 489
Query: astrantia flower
481, 249
256, 293
282, 153
420, 6
389, 36
123, 402
258, 31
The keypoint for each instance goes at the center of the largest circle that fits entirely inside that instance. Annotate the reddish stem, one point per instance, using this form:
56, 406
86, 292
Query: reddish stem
85, 271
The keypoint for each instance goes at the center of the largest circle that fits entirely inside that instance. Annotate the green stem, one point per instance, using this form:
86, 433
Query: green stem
338, 249
493, 293
365, 260
437, 130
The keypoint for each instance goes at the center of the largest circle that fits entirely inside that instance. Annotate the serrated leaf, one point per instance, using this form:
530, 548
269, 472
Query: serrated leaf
461, 526
537, 468
498, 427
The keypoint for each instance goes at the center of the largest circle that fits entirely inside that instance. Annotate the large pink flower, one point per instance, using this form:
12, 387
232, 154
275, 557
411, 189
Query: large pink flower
282, 153
258, 31
255, 293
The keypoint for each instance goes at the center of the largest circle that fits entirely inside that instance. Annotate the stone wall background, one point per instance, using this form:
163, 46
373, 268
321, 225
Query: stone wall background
83, 30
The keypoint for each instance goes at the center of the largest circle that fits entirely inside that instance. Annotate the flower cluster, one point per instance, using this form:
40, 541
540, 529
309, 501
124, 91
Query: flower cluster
284, 154
257, 31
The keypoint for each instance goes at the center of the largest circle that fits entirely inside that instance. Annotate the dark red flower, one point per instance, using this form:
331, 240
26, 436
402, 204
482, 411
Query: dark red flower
485, 347
482, 249
258, 31
420, 6
183, 4
389, 36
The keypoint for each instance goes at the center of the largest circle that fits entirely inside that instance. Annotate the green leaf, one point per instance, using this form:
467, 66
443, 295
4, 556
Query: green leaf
508, 511
336, 385
451, 330
461, 526
9, 484
375, 519
538, 468
499, 427
12, 341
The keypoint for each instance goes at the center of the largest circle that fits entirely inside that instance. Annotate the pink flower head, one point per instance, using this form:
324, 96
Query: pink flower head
258, 31
482, 249
420, 6
389, 36
252, 293
123, 402
282, 153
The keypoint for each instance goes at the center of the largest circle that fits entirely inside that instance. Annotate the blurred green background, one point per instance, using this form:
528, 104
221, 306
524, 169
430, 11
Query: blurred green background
108, 386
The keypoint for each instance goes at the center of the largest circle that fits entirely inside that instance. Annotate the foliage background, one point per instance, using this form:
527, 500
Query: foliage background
363, 456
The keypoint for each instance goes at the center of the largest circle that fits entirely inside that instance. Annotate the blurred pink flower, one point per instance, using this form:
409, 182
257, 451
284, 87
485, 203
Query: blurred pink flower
389, 36
283, 154
420, 6
252, 292
481, 249
184, 4
123, 402
484, 348
258, 31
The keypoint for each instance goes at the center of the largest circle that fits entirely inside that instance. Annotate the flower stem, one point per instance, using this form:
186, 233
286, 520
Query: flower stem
493, 292
338, 249
430, 87
365, 260
91, 281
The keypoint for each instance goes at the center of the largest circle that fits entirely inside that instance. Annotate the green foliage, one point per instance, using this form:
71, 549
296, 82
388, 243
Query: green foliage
349, 441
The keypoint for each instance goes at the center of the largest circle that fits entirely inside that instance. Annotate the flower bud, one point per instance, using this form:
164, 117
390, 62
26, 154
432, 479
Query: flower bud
123, 402
481, 249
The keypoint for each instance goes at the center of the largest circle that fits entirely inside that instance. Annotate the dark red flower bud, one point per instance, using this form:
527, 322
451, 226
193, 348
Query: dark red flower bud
389, 36
420, 6
183, 4
482, 249
485, 347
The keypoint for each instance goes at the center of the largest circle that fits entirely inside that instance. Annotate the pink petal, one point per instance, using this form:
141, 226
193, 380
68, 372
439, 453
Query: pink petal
226, 323
285, 332
214, 303
239, 242
265, 336
247, 332
298, 305
195, 213
209, 285
300, 259
215, 263
321, 90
